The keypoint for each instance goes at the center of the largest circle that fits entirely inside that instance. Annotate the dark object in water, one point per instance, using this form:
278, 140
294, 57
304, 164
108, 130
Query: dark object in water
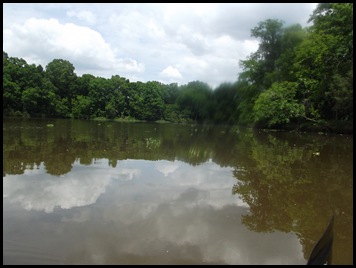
322, 251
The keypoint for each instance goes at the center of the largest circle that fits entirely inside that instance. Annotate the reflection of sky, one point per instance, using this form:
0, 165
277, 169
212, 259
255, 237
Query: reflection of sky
38, 190
138, 212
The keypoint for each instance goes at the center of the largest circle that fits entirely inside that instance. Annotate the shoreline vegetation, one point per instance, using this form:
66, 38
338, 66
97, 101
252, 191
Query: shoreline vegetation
299, 79
335, 127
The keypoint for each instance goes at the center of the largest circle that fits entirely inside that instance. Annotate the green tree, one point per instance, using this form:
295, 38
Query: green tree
41, 100
224, 100
292, 37
61, 73
260, 66
145, 101
11, 97
325, 61
82, 107
169, 94
196, 98
153, 100
270, 33
117, 105
247, 93
82, 85
18, 76
100, 93
260, 69
278, 105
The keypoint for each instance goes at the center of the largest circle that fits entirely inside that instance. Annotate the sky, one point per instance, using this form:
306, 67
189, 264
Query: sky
165, 42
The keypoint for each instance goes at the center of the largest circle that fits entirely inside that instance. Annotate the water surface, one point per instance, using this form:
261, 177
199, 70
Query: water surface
87, 192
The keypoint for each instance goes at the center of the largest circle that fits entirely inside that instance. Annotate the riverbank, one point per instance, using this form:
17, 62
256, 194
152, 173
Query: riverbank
330, 127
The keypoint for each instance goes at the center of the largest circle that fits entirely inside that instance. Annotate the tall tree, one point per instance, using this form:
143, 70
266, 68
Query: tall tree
325, 61
269, 32
18, 76
224, 100
100, 94
196, 97
260, 65
292, 37
61, 73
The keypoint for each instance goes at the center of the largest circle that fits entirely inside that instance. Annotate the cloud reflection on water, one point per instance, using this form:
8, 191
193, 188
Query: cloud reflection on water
38, 190
152, 212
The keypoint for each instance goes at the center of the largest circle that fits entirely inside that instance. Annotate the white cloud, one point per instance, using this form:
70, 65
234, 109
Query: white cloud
138, 41
129, 65
171, 72
84, 15
48, 39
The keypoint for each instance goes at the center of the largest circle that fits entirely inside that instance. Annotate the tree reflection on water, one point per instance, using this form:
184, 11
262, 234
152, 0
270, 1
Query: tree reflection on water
292, 182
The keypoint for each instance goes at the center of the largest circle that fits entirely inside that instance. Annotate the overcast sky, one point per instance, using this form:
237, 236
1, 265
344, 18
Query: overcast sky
172, 42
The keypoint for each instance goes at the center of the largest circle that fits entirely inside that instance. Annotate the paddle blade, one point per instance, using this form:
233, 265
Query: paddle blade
322, 251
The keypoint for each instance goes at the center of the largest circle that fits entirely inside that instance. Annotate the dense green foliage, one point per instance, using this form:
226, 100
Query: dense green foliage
297, 75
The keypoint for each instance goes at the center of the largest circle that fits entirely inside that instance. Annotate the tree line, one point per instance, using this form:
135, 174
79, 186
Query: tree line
297, 77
